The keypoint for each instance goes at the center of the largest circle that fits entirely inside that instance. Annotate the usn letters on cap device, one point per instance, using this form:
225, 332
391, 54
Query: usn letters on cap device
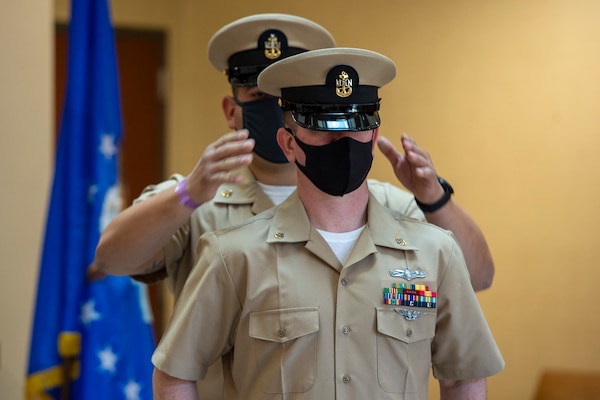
246, 46
330, 89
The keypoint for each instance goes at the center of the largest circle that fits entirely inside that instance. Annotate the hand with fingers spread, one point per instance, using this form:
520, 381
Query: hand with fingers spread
127, 246
414, 169
218, 163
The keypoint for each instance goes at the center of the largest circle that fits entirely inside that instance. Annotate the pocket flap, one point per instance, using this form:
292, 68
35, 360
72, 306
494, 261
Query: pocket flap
391, 323
284, 324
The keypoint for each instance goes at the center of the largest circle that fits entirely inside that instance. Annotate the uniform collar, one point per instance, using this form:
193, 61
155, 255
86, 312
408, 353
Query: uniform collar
290, 224
384, 227
246, 192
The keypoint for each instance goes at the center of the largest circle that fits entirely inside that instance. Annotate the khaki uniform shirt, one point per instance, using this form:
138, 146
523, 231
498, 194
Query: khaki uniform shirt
272, 299
234, 204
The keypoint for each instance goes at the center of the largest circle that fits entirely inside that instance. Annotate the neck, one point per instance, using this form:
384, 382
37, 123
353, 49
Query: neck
334, 213
273, 174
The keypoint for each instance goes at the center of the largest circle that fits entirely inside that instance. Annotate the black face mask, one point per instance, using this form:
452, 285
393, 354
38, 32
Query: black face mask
263, 118
339, 167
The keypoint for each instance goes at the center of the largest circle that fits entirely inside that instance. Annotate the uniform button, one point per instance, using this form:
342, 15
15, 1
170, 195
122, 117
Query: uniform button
281, 332
344, 281
346, 378
346, 330
409, 332
227, 193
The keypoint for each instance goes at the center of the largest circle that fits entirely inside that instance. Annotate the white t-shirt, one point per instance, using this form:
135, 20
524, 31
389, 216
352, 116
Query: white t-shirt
277, 194
341, 242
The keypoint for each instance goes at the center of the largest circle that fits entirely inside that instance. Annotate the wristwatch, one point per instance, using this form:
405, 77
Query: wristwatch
448, 191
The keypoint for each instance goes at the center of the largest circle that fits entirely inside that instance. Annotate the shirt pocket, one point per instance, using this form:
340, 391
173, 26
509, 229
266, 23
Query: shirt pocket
285, 348
404, 348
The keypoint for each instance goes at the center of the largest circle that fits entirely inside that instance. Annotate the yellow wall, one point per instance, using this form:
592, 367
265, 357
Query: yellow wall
504, 96
25, 165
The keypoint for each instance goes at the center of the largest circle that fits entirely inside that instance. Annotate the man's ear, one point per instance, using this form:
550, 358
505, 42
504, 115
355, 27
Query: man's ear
285, 139
228, 106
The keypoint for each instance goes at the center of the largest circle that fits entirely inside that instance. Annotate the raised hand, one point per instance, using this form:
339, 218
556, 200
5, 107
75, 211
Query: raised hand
218, 163
414, 169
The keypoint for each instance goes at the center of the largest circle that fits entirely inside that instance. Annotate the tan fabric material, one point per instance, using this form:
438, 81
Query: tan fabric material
295, 324
311, 69
242, 35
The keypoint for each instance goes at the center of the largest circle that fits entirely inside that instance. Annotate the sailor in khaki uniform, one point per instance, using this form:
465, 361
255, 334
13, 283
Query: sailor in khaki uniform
330, 294
240, 49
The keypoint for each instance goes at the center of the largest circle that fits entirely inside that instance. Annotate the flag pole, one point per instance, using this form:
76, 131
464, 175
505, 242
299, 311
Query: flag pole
67, 365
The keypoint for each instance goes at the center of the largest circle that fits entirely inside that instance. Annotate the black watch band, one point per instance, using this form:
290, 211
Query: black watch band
448, 191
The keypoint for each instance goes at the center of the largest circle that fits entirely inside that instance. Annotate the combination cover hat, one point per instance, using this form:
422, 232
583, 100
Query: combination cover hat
330, 89
243, 48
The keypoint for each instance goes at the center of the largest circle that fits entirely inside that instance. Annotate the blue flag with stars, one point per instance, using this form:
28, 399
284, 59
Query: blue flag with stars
91, 338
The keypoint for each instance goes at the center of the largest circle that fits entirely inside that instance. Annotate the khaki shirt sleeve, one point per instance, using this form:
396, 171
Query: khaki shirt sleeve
203, 321
151, 190
177, 245
463, 347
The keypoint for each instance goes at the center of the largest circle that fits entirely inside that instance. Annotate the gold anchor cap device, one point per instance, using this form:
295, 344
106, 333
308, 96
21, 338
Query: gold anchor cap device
332, 89
243, 48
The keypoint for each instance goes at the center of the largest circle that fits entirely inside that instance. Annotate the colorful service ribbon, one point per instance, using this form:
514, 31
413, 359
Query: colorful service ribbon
403, 294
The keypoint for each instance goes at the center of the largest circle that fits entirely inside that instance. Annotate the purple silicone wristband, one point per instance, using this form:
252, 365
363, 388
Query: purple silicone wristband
184, 196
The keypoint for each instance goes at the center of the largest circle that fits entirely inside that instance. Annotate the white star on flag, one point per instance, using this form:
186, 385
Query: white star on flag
132, 390
108, 359
89, 313
107, 146
92, 190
